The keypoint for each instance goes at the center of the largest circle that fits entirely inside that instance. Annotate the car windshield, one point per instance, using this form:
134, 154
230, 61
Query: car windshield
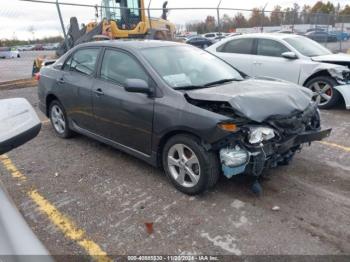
307, 47
185, 67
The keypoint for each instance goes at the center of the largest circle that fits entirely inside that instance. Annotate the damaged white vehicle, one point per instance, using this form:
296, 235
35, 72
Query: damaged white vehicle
292, 58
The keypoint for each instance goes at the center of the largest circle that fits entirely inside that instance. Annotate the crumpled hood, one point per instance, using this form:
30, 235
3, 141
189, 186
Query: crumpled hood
258, 99
332, 58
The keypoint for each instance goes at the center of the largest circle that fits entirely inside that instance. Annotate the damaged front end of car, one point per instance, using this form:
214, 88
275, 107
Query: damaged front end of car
256, 145
254, 148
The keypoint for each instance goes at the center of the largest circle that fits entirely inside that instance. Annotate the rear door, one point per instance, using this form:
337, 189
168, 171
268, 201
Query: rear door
239, 53
74, 86
269, 62
124, 117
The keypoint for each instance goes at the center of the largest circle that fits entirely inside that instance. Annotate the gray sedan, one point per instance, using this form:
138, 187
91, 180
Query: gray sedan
180, 108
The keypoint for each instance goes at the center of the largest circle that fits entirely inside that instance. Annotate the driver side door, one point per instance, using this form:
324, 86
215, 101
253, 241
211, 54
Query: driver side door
121, 116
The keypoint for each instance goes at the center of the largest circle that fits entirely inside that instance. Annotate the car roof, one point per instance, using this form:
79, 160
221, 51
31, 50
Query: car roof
268, 35
131, 44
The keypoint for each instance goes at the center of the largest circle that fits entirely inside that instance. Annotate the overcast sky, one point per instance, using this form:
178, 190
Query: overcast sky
17, 17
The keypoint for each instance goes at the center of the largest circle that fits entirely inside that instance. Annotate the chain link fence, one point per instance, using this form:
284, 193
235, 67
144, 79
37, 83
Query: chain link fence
331, 30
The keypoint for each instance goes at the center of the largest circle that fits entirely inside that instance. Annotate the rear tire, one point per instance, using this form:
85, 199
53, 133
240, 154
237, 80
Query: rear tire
59, 120
324, 92
190, 167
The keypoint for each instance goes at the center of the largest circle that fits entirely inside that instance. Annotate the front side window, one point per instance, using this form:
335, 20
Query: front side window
82, 61
188, 67
307, 47
238, 46
118, 66
268, 47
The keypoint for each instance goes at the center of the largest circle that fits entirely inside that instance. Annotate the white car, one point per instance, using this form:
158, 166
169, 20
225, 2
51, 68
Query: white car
292, 58
213, 35
6, 52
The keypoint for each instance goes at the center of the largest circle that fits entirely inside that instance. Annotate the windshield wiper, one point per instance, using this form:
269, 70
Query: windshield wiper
188, 87
222, 81
193, 87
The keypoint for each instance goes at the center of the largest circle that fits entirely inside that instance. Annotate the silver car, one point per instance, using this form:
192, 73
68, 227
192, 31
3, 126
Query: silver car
292, 58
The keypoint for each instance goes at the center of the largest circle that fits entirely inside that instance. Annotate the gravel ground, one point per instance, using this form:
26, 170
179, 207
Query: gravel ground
20, 68
111, 195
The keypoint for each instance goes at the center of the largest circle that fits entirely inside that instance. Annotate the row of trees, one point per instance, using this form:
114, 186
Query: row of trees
17, 42
320, 13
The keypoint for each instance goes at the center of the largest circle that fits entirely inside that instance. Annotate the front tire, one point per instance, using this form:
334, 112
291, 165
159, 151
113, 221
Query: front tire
190, 167
59, 120
324, 92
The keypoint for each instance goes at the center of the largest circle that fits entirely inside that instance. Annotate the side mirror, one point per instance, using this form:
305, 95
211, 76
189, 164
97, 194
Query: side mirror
137, 86
19, 123
289, 55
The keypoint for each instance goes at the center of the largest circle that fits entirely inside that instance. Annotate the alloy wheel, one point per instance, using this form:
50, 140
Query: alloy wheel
322, 92
57, 118
183, 165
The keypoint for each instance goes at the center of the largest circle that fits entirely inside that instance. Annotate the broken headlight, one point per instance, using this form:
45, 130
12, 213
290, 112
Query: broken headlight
341, 73
260, 134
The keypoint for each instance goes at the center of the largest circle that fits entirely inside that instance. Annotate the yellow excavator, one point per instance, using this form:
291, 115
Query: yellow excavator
120, 19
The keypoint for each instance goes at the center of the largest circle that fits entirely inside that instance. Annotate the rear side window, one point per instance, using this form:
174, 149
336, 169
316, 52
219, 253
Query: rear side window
209, 35
83, 61
118, 67
267, 47
238, 46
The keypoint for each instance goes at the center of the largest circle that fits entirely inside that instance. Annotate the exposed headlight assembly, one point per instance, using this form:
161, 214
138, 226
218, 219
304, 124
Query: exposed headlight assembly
260, 134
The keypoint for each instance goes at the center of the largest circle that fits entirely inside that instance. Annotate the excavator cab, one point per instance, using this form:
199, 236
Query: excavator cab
126, 13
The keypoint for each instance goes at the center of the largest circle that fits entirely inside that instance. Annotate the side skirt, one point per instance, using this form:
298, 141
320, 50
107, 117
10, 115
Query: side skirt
150, 159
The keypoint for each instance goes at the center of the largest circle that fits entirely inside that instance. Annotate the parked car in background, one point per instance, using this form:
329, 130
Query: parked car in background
341, 36
8, 52
289, 31
212, 35
38, 47
322, 36
218, 38
232, 34
189, 112
49, 47
199, 41
292, 58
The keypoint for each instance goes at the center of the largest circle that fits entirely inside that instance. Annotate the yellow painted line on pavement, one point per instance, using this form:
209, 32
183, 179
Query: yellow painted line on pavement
345, 148
15, 173
62, 222
68, 228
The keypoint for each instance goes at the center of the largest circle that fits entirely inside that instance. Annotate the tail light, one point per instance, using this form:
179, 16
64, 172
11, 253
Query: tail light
37, 76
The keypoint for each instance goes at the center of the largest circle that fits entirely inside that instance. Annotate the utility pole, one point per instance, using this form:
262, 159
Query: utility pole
149, 14
218, 14
62, 25
262, 18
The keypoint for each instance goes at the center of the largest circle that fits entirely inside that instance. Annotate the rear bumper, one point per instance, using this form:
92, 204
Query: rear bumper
43, 108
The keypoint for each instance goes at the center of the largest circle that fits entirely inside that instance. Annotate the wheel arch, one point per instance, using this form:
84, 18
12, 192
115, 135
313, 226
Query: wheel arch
48, 101
323, 72
166, 137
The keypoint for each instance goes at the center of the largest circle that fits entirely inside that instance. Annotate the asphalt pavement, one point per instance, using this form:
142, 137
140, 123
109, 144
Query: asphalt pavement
20, 68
